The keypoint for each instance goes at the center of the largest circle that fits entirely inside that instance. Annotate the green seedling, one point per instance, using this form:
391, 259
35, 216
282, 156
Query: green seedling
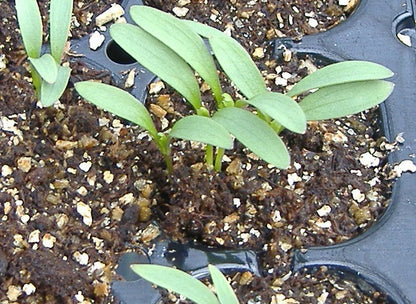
175, 51
49, 77
208, 130
188, 286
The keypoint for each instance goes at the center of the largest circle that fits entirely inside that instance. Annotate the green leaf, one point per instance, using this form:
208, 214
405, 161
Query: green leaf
159, 59
202, 129
223, 290
181, 39
60, 20
118, 102
51, 92
238, 65
341, 72
46, 67
345, 99
255, 134
176, 281
202, 29
30, 24
281, 108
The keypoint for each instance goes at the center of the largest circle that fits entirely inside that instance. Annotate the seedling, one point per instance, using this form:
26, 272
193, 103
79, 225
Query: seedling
209, 131
174, 50
188, 286
49, 77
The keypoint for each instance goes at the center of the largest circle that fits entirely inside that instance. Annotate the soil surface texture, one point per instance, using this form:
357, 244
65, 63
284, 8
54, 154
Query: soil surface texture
79, 187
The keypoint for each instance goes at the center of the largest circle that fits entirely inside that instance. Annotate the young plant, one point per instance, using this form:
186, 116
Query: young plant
49, 77
188, 286
174, 50
209, 131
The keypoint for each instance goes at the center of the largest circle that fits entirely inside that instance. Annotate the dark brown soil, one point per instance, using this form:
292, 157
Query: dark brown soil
80, 187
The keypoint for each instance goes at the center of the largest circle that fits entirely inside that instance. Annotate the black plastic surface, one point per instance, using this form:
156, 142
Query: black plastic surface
385, 255
110, 57
188, 258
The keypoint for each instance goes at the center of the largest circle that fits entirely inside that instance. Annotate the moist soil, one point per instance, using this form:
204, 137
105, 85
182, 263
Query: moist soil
79, 187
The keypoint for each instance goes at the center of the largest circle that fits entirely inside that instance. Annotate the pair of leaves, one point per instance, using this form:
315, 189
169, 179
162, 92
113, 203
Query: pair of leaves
252, 131
51, 78
121, 103
171, 47
30, 25
188, 286
343, 88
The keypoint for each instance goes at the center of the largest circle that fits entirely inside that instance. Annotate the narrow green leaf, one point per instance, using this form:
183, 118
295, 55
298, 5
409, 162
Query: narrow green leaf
238, 65
176, 281
30, 24
341, 72
223, 289
159, 59
281, 108
255, 134
345, 99
118, 102
46, 67
51, 92
202, 129
202, 29
60, 20
181, 39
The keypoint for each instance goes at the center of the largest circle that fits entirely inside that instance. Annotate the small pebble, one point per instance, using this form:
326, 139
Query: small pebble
108, 177
405, 166
180, 11
14, 292
48, 240
357, 195
246, 278
116, 213
85, 166
82, 191
368, 160
130, 79
24, 164
96, 40
65, 144
85, 211
62, 220
6, 170
324, 210
313, 22
81, 258
258, 53
156, 87
113, 13
29, 289
34, 237
150, 233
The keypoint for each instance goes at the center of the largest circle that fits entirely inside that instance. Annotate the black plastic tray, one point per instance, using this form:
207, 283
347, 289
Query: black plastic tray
383, 256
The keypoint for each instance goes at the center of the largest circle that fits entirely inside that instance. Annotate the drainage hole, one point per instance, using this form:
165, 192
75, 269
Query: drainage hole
117, 54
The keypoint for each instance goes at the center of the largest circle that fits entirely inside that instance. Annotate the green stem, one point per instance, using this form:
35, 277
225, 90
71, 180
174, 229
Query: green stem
36, 80
277, 127
168, 162
209, 155
264, 117
163, 143
218, 159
